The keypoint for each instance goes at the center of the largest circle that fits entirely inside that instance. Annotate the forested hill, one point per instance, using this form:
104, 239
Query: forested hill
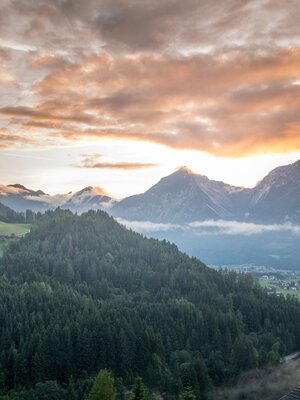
81, 293
9, 215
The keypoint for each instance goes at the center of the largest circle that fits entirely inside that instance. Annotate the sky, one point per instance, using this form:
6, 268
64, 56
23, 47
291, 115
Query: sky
117, 94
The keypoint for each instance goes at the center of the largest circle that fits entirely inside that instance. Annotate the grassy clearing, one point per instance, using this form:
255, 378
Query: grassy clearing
263, 283
13, 229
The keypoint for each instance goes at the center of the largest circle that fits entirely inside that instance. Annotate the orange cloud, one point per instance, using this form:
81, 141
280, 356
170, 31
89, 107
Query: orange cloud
228, 105
92, 161
7, 140
48, 61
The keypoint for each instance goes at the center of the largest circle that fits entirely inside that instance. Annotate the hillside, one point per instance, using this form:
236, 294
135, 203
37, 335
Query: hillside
9, 215
80, 293
277, 196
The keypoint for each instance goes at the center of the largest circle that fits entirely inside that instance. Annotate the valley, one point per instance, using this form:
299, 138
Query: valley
276, 281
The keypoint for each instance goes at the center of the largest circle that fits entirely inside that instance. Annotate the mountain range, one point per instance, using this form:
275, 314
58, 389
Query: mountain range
181, 197
20, 198
184, 197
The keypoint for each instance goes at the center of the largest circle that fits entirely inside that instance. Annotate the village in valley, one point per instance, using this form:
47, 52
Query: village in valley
284, 282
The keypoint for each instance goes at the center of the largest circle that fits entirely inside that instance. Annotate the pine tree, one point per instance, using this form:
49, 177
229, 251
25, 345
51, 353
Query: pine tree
188, 394
103, 387
138, 391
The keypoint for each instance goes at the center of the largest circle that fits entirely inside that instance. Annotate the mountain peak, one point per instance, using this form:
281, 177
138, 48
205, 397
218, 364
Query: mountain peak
93, 190
24, 188
186, 170
19, 186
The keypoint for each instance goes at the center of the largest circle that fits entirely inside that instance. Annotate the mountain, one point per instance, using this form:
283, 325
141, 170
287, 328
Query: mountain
183, 197
277, 197
20, 198
81, 292
180, 198
89, 198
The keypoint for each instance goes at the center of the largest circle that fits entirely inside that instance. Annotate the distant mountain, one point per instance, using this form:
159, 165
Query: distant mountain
20, 198
181, 197
184, 196
94, 198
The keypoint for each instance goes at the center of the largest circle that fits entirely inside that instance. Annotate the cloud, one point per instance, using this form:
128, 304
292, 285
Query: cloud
209, 76
148, 226
7, 140
92, 161
229, 108
241, 228
174, 25
171, 25
49, 61
213, 227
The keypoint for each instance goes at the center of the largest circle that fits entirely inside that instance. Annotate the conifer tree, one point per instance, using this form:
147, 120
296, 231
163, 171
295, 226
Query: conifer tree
103, 387
138, 391
188, 394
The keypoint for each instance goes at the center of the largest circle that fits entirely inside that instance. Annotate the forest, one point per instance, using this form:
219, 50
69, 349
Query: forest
9, 215
81, 293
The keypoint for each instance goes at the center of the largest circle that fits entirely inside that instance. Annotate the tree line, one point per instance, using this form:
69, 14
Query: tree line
10, 216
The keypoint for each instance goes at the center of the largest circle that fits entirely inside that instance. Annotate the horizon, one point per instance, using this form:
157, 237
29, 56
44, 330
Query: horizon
86, 100
116, 197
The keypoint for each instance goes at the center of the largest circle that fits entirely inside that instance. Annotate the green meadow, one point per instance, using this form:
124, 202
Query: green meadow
13, 229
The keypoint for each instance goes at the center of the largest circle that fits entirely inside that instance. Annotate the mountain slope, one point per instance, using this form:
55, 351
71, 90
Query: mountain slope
277, 197
180, 197
9, 215
80, 293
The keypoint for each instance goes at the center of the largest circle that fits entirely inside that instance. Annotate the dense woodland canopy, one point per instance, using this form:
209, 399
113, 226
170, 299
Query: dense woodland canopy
82, 293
